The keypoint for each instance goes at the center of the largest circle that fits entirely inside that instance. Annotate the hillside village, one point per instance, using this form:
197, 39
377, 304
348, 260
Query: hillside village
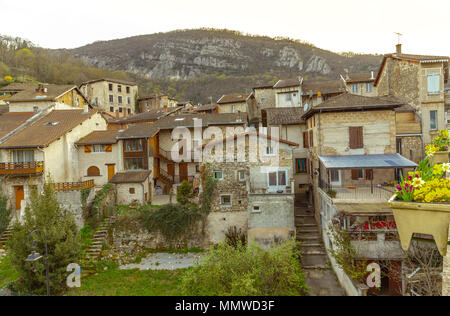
333, 153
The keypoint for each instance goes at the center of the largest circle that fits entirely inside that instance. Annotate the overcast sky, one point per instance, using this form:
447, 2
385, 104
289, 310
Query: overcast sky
363, 26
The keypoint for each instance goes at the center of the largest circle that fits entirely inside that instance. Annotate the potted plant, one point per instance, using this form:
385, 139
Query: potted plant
422, 204
438, 151
332, 193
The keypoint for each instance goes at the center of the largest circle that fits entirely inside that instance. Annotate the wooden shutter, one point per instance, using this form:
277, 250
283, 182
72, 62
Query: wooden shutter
305, 140
355, 174
108, 148
369, 174
88, 149
356, 137
311, 140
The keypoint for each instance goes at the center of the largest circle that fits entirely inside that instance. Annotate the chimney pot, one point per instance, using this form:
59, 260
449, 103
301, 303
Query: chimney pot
398, 48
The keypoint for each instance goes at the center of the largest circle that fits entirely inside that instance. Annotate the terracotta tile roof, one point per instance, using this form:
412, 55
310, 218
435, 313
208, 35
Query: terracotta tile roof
11, 120
138, 131
187, 120
283, 116
420, 58
130, 177
48, 129
99, 138
148, 116
207, 107
287, 83
324, 87
53, 92
17, 86
128, 83
233, 98
263, 87
351, 102
359, 77
249, 133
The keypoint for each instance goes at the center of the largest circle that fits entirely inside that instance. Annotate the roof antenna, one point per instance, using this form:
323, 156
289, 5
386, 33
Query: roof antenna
399, 35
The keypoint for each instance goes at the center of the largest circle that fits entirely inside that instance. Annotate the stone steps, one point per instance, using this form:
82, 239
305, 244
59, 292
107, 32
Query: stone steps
99, 238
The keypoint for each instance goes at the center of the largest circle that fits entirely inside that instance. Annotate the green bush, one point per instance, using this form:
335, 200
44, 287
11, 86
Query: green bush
247, 271
5, 213
94, 214
171, 220
184, 193
64, 246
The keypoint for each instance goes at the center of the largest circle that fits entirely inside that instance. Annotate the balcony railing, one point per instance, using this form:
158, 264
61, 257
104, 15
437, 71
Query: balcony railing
74, 186
168, 154
368, 194
21, 168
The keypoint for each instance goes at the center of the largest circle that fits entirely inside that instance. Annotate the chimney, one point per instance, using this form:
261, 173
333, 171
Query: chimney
86, 109
40, 89
398, 48
319, 97
372, 75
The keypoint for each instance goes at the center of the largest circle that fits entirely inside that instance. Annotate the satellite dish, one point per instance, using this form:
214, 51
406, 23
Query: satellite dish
305, 107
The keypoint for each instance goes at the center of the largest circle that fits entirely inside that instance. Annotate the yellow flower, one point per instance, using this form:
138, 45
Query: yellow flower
418, 182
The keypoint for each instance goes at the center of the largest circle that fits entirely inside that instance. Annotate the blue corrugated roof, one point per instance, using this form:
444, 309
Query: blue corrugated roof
366, 161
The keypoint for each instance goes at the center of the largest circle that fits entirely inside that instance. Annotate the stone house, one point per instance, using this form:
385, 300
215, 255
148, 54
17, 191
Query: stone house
42, 145
360, 83
156, 102
254, 195
420, 80
111, 95
37, 97
233, 103
265, 97
288, 92
132, 187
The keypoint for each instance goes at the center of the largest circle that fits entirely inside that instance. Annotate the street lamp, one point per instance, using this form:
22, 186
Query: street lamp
35, 256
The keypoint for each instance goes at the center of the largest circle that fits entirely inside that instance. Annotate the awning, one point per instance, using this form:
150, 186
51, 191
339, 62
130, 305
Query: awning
388, 161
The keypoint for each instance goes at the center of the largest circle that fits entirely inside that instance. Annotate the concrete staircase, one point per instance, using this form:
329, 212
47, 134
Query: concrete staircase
100, 238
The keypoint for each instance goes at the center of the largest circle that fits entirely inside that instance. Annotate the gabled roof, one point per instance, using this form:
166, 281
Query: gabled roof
324, 87
17, 86
11, 120
148, 116
359, 77
53, 92
99, 138
287, 83
283, 116
421, 59
187, 120
352, 102
48, 129
233, 98
128, 83
130, 177
207, 107
138, 131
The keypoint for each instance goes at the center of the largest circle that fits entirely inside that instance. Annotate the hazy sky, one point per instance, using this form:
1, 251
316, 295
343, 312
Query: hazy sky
365, 26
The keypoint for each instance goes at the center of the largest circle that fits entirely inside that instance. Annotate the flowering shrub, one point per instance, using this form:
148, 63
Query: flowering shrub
440, 143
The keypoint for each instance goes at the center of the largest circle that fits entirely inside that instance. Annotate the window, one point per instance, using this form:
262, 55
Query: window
277, 179
23, 156
288, 97
356, 137
368, 87
433, 120
357, 174
197, 168
132, 190
128, 100
119, 88
311, 138
119, 98
269, 151
134, 163
120, 110
233, 109
111, 109
111, 98
110, 87
242, 175
225, 200
305, 140
128, 90
301, 165
355, 88
256, 209
218, 175
334, 175
262, 100
433, 83
93, 172
133, 145
99, 148
129, 111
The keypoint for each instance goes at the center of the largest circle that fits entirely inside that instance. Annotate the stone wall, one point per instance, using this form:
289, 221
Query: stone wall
71, 200
446, 273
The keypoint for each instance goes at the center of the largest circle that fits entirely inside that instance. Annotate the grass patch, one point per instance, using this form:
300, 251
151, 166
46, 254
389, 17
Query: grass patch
7, 272
114, 282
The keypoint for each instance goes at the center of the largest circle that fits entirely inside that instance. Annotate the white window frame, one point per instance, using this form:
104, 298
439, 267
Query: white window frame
244, 178
438, 77
269, 153
435, 120
111, 98
98, 148
231, 200
217, 171
277, 187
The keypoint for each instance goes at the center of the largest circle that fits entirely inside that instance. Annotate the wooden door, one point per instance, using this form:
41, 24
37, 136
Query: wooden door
171, 169
183, 172
111, 171
19, 193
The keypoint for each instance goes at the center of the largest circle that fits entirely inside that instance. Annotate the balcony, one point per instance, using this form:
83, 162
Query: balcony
363, 194
168, 154
22, 169
74, 186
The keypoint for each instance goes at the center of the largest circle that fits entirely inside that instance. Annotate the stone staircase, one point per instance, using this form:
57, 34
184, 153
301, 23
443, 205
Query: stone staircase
100, 238
5, 236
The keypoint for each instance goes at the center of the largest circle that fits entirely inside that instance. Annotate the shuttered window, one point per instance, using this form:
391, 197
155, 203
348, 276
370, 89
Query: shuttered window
356, 137
433, 83
355, 174
311, 140
369, 174
88, 149
305, 140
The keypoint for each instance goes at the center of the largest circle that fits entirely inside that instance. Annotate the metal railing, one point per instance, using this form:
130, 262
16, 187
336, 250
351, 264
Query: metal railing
74, 186
167, 154
375, 193
21, 167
